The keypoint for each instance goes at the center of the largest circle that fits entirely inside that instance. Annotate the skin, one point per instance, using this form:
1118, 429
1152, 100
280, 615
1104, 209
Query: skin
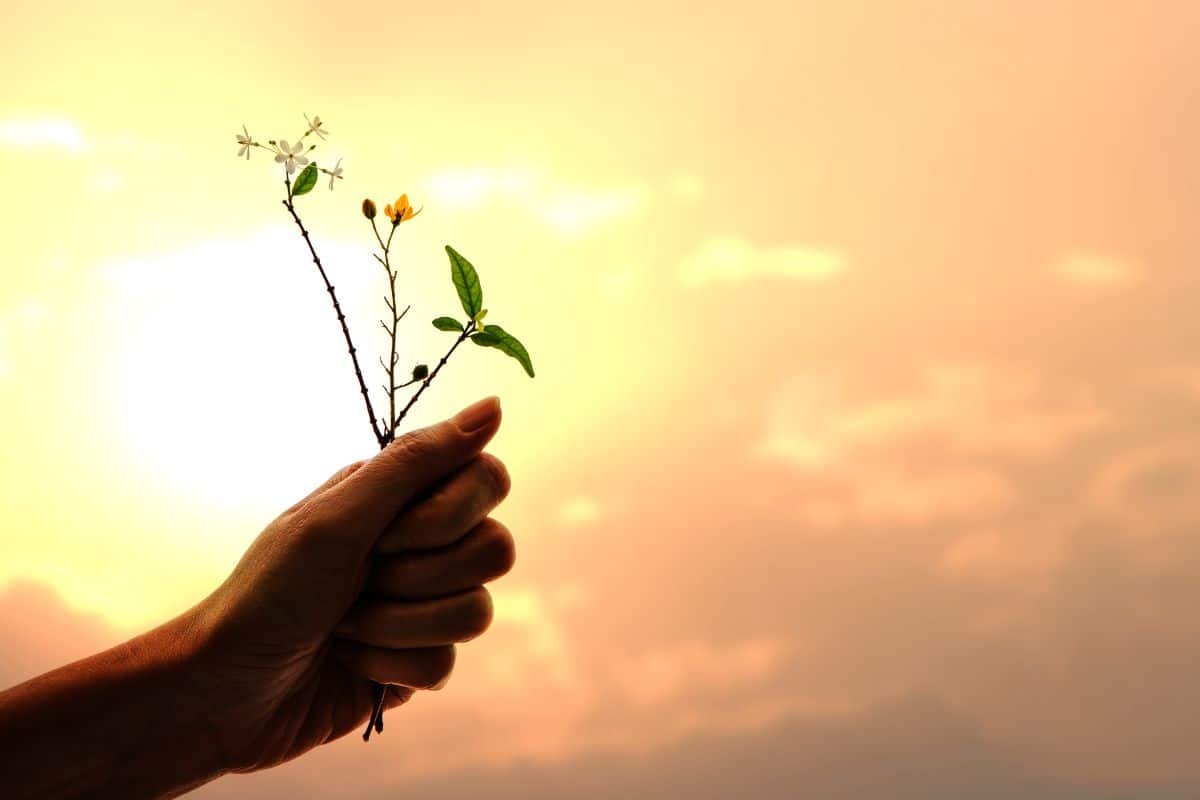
373, 577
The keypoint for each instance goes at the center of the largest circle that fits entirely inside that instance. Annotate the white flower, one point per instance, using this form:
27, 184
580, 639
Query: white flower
314, 125
336, 172
246, 143
291, 156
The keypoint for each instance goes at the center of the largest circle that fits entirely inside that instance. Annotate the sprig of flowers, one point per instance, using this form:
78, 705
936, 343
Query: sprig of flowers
294, 155
463, 275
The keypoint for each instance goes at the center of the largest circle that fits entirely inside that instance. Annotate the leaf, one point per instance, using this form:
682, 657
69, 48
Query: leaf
305, 181
448, 324
505, 342
466, 281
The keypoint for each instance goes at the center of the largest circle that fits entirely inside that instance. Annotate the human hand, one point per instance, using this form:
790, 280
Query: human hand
371, 578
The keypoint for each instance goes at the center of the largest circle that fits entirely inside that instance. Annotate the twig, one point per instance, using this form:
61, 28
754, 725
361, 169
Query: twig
362, 384
467, 331
376, 721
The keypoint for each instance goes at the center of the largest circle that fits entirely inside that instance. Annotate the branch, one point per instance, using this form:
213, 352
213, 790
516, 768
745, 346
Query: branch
362, 385
462, 337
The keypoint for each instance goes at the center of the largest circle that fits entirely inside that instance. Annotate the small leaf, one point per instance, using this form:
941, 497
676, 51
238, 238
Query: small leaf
466, 281
305, 181
505, 342
420, 372
448, 324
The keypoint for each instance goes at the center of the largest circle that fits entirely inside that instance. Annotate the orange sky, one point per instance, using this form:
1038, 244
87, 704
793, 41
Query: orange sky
862, 456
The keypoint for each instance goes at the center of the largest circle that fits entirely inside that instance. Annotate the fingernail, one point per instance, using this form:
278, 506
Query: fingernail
478, 415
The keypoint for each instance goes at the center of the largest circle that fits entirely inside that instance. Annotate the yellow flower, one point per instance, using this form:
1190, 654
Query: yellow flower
400, 211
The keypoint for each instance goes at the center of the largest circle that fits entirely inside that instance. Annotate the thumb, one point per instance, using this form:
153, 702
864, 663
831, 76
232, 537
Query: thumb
367, 500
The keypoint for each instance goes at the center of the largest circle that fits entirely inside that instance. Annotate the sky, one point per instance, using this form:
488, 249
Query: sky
863, 452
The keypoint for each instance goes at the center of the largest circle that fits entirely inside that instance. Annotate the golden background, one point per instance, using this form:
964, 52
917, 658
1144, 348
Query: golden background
863, 458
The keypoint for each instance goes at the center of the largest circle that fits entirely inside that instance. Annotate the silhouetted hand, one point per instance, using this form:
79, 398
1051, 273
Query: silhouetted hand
372, 577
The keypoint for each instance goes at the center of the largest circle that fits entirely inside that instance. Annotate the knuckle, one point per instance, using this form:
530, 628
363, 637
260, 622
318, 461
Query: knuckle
416, 445
476, 613
322, 522
496, 475
345, 472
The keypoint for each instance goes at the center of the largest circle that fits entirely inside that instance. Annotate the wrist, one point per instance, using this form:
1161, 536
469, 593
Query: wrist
173, 750
122, 723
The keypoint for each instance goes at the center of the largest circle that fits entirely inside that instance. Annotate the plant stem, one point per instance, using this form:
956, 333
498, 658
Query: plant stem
362, 385
389, 431
376, 721
467, 331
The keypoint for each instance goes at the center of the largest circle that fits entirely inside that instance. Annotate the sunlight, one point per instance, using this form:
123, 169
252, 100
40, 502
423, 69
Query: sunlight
212, 376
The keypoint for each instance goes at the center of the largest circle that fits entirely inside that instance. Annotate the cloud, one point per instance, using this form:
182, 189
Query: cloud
1005, 554
471, 188
568, 210
1151, 490
38, 632
657, 676
579, 511
913, 749
60, 134
968, 407
573, 211
1096, 271
729, 259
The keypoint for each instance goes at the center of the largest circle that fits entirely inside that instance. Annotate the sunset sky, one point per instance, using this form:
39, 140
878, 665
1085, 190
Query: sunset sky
863, 458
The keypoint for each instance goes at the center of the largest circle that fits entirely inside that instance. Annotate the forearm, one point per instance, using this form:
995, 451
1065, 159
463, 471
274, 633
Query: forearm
122, 723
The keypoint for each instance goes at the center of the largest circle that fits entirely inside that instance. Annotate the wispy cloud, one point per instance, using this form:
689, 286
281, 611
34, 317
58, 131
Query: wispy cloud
579, 511
574, 211
1095, 270
733, 259
53, 133
570, 210
471, 188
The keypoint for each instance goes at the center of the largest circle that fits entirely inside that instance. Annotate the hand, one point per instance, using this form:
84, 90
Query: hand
371, 578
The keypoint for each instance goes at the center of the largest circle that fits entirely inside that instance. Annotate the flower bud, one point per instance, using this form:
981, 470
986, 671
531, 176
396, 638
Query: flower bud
420, 372
368, 209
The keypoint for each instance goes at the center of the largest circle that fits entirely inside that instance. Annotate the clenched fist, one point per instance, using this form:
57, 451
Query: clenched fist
372, 578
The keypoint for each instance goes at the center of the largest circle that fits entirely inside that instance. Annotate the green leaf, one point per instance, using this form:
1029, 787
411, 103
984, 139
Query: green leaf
466, 281
505, 342
305, 181
448, 324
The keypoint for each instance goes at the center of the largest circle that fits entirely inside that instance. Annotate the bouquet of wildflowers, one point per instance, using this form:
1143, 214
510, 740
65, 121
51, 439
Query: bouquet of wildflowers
296, 157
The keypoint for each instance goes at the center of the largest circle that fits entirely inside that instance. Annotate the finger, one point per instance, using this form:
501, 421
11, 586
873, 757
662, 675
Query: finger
331, 481
420, 668
458, 618
364, 503
457, 505
484, 554
399, 695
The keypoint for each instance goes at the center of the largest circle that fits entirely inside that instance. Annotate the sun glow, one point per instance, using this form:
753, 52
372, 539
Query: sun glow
214, 383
